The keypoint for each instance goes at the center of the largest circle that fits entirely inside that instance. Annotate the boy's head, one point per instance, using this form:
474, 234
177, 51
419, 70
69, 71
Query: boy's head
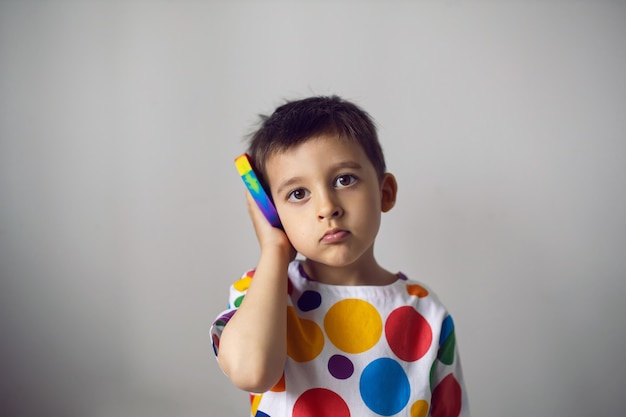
298, 121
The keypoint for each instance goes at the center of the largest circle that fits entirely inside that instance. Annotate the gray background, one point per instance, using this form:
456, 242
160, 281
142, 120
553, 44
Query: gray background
123, 221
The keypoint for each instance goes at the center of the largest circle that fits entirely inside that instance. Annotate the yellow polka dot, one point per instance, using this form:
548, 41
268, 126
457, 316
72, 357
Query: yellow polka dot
242, 284
419, 408
305, 339
255, 399
352, 325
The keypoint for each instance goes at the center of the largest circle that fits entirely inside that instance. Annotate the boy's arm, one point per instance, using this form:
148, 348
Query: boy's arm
253, 345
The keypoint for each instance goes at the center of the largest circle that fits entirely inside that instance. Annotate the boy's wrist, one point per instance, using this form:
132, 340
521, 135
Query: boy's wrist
278, 253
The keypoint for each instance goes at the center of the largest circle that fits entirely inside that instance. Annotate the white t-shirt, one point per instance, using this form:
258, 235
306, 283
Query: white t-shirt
361, 351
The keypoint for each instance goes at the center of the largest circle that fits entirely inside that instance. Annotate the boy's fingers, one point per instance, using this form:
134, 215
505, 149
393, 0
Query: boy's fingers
254, 210
258, 219
265, 232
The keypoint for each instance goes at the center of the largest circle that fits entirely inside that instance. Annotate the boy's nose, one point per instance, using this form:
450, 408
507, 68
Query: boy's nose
328, 208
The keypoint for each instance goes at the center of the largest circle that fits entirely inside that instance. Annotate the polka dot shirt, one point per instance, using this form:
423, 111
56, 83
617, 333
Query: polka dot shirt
361, 351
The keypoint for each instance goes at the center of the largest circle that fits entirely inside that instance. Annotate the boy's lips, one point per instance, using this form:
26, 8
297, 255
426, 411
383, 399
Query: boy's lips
334, 235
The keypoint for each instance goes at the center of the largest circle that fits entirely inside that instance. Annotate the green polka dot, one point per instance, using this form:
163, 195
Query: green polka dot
239, 300
446, 351
432, 375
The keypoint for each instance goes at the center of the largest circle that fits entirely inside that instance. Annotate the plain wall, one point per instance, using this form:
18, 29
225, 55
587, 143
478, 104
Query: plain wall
123, 221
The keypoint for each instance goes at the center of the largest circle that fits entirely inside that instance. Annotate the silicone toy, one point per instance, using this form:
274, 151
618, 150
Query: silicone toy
244, 167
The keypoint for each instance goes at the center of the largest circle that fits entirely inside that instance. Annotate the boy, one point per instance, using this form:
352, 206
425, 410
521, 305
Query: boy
334, 334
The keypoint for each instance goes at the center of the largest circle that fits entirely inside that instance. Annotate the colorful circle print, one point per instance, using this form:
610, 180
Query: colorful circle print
309, 300
419, 408
447, 398
305, 339
447, 341
340, 367
408, 333
353, 325
385, 387
356, 352
318, 402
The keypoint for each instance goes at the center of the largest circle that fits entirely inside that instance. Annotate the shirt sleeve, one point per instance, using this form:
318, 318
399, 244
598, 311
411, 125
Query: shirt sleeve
237, 293
449, 396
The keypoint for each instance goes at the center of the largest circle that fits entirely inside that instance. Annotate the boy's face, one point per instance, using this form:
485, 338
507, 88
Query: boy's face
329, 199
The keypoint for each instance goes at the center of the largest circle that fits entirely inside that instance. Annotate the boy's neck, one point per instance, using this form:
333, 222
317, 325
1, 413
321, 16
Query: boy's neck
361, 273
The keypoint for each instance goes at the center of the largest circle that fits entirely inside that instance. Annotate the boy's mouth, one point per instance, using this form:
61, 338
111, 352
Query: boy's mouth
334, 235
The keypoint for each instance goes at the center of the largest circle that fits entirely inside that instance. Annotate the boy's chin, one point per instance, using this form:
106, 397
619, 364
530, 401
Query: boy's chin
329, 263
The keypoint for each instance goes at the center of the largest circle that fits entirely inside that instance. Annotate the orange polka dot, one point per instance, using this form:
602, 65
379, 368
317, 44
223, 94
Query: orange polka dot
280, 385
305, 339
417, 290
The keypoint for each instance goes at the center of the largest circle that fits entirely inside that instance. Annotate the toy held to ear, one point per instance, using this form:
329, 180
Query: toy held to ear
244, 167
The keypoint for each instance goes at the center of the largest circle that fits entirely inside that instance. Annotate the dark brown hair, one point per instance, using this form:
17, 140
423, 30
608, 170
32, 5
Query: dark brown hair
298, 121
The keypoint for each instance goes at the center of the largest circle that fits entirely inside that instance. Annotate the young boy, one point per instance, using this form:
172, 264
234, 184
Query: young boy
334, 334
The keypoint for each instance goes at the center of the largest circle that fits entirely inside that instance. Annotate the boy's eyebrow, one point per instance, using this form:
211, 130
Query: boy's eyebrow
340, 165
347, 164
288, 184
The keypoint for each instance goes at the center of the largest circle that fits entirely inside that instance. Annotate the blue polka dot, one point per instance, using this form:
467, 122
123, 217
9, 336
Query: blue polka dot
309, 300
447, 327
384, 386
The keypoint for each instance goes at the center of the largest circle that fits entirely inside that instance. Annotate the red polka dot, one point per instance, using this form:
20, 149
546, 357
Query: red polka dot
446, 399
318, 402
408, 333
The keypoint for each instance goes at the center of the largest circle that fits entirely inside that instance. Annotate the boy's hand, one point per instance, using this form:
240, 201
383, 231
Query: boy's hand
269, 236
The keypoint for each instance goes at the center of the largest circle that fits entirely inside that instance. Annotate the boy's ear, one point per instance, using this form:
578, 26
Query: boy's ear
389, 190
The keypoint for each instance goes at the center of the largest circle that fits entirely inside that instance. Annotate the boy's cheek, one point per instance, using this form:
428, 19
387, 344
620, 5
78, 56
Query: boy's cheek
288, 217
296, 235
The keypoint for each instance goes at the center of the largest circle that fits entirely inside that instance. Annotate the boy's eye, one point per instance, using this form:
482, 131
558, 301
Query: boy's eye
297, 194
345, 180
